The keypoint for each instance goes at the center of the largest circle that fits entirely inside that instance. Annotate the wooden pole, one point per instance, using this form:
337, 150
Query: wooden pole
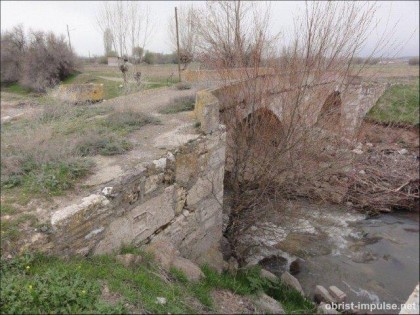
177, 43
68, 34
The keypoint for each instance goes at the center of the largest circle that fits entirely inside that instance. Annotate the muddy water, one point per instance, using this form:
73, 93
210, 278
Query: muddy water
372, 260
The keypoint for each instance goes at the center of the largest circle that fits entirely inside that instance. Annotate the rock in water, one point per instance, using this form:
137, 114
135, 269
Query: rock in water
322, 295
275, 264
294, 267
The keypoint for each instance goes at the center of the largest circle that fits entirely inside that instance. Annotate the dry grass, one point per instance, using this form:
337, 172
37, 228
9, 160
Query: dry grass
47, 153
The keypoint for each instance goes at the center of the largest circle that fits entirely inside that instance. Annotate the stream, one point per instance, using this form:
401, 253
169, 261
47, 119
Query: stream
372, 260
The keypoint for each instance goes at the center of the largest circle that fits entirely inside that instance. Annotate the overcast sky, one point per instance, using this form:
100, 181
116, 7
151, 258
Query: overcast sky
85, 37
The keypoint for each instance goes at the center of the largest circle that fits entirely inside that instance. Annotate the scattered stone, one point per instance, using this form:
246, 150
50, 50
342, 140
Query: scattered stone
268, 305
291, 281
349, 204
336, 293
403, 151
326, 309
357, 151
107, 191
268, 275
232, 265
191, 270
295, 267
362, 172
83, 251
359, 146
163, 252
275, 264
161, 300
321, 295
129, 260
6, 119
369, 144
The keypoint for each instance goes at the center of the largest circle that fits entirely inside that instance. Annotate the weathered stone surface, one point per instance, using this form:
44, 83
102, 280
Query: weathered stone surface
268, 275
186, 168
191, 270
164, 253
291, 281
89, 203
268, 305
321, 295
140, 222
337, 294
152, 182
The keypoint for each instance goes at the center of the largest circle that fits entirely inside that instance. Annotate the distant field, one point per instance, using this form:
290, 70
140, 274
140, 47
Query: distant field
398, 105
388, 70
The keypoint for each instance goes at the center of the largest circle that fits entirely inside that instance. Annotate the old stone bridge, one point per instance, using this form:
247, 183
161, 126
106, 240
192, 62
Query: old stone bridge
179, 196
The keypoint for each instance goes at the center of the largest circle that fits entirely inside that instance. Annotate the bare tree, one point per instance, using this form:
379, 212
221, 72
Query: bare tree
128, 23
13, 47
233, 33
187, 16
278, 144
108, 41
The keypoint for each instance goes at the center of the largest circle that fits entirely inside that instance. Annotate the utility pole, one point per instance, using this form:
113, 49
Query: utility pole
68, 34
177, 43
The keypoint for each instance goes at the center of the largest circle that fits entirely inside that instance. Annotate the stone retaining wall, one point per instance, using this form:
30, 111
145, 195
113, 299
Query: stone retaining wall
178, 197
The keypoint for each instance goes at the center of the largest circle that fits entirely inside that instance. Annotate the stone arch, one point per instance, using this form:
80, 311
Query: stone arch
330, 114
264, 126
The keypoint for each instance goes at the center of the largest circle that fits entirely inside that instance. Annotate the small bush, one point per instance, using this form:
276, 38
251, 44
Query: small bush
51, 178
103, 145
413, 61
183, 86
179, 104
127, 121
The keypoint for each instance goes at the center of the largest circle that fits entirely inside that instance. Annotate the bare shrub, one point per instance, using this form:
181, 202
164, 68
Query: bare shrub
384, 181
13, 46
284, 139
48, 60
183, 86
413, 61
179, 104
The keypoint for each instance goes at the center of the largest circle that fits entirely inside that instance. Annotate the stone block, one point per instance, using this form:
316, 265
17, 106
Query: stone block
191, 270
186, 168
291, 281
139, 223
88, 204
268, 275
337, 294
163, 252
321, 295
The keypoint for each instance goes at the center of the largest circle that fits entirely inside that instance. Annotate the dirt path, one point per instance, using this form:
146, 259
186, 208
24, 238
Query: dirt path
129, 81
151, 141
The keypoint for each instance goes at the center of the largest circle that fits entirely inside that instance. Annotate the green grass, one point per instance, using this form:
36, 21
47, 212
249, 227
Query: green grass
44, 284
398, 105
179, 104
15, 88
51, 178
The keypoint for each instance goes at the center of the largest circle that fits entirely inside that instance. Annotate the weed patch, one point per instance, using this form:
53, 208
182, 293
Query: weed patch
179, 104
